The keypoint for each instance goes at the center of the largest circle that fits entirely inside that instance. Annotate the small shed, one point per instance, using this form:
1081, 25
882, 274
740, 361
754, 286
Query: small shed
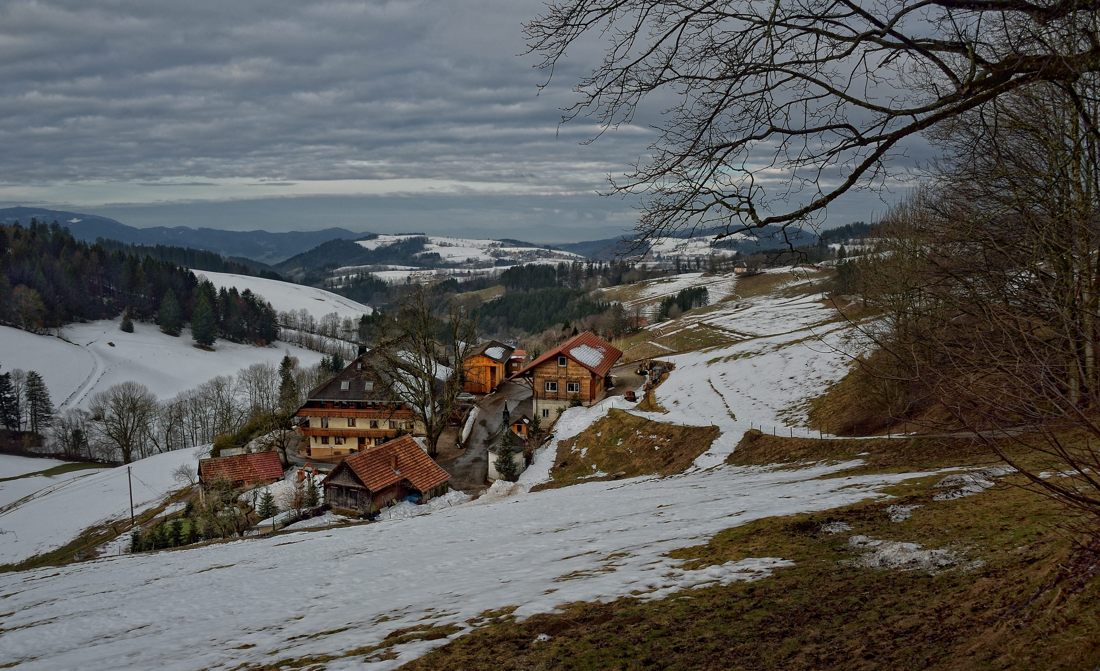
242, 470
485, 367
378, 476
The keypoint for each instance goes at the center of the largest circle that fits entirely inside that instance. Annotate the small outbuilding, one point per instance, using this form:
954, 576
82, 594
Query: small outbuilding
398, 470
242, 470
485, 367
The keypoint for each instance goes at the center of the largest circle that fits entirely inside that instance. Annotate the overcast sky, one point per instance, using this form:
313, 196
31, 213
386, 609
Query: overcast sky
407, 115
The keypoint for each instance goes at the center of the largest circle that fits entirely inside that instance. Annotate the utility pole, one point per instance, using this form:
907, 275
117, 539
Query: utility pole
130, 484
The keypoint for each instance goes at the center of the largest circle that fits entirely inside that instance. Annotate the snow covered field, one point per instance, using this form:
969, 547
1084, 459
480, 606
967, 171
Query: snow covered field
288, 297
331, 591
56, 514
99, 355
326, 592
12, 465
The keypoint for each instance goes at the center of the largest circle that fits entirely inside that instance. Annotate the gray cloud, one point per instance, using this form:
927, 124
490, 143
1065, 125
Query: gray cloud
283, 93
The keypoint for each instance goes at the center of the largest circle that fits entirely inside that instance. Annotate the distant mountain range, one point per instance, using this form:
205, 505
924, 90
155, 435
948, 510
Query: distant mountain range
301, 254
258, 245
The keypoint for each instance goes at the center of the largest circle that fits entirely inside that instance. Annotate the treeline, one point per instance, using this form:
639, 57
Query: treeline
195, 259
127, 422
48, 278
574, 275
536, 310
674, 306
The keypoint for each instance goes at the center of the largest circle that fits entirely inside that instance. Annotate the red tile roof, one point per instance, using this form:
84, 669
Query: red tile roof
242, 468
390, 463
588, 342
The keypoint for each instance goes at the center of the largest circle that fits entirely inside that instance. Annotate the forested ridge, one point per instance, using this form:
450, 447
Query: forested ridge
49, 278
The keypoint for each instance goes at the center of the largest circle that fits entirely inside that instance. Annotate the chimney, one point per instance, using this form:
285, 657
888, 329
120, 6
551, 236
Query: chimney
393, 462
360, 350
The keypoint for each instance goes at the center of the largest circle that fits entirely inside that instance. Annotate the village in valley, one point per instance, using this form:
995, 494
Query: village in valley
550, 334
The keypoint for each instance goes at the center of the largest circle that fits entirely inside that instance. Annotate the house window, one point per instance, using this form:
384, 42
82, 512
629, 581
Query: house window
324, 422
368, 386
562, 361
351, 421
546, 412
374, 424
345, 385
393, 424
551, 386
338, 440
324, 440
573, 387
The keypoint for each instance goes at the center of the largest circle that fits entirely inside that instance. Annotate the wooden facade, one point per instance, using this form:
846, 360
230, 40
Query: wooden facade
366, 482
485, 367
576, 371
353, 411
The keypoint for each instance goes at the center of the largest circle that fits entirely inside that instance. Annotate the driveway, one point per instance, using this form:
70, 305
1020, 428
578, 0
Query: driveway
469, 470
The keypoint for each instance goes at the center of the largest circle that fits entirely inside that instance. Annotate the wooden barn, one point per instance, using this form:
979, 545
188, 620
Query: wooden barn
242, 470
485, 367
378, 476
578, 370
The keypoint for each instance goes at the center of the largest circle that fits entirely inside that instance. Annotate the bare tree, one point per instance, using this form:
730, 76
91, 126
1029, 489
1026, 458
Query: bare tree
779, 108
422, 354
991, 289
123, 415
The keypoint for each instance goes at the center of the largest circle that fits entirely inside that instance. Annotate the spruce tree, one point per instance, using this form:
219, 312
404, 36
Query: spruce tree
505, 463
175, 533
170, 316
336, 363
39, 407
288, 386
204, 322
267, 508
9, 404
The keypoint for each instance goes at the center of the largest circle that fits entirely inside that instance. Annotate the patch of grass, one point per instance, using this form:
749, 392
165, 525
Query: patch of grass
770, 283
879, 454
1029, 604
622, 445
56, 470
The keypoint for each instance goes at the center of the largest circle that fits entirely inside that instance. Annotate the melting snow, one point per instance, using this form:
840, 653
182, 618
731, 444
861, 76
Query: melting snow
588, 355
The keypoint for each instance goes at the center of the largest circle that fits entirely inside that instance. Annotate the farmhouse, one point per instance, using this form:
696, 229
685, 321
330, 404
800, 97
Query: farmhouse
485, 367
576, 371
376, 477
242, 470
352, 411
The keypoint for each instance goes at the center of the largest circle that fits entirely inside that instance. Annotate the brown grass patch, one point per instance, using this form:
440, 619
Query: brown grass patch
1029, 604
879, 454
622, 445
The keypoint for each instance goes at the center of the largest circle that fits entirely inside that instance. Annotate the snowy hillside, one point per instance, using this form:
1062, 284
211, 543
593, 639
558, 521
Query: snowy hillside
91, 357
56, 513
288, 297
463, 258
595, 541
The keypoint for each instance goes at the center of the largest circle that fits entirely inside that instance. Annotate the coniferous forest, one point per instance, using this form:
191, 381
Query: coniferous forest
48, 278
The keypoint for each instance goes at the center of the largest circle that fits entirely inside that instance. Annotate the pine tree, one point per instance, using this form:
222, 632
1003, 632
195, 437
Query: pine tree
203, 322
127, 325
505, 463
39, 407
175, 532
288, 386
9, 404
267, 508
170, 317
336, 363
